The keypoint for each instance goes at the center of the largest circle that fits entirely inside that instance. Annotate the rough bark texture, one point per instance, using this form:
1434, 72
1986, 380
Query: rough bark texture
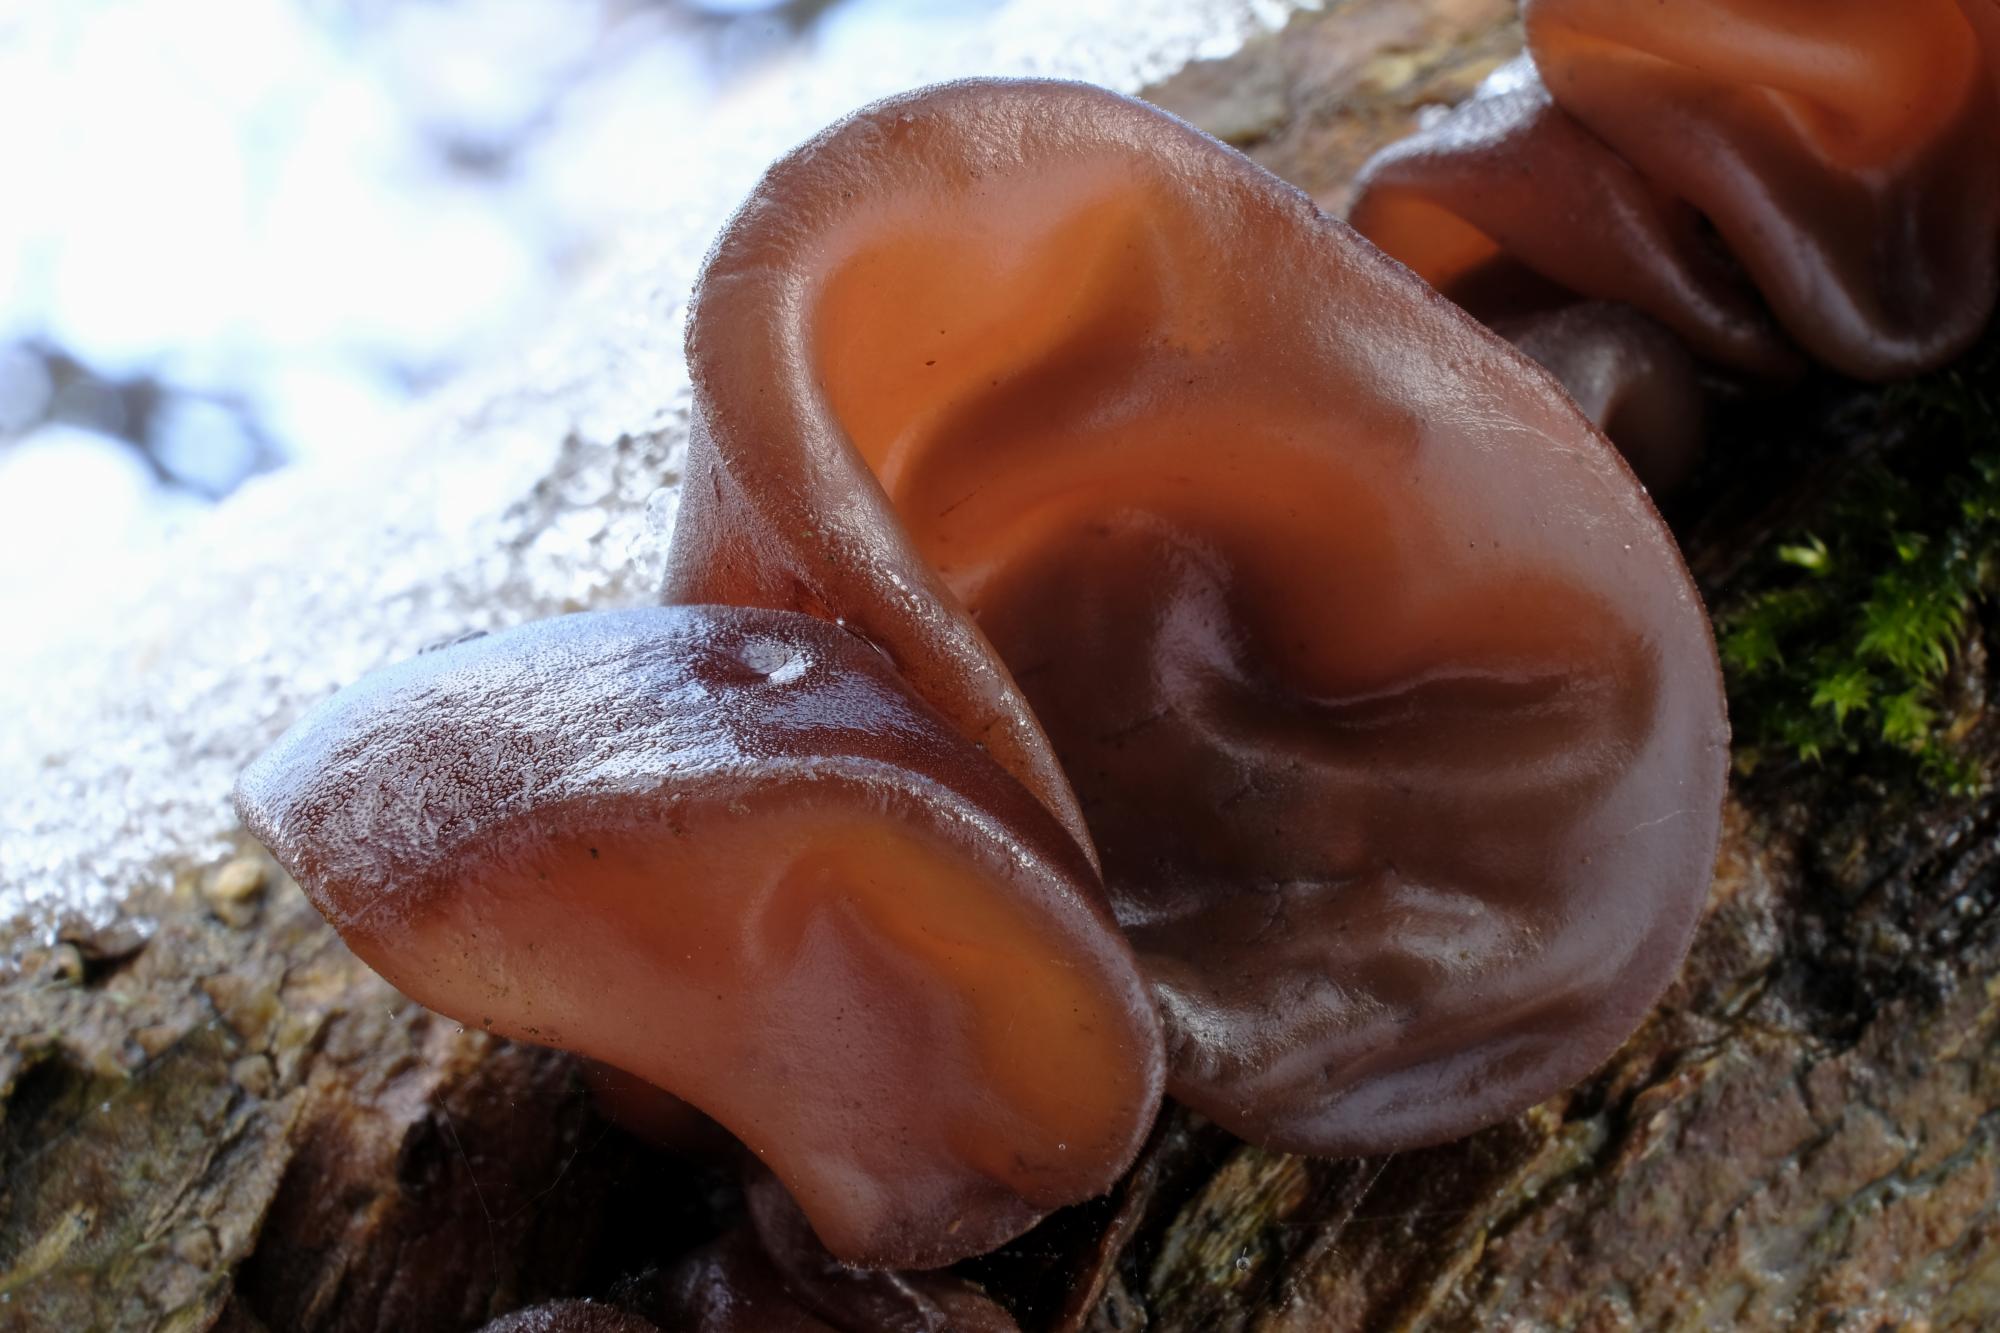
235, 1125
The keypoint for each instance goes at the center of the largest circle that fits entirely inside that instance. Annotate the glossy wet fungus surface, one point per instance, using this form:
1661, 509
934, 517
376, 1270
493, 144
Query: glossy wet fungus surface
1377, 683
726, 850
1772, 180
1121, 627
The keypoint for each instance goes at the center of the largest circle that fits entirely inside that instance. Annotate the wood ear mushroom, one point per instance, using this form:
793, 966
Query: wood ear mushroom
1318, 615
1122, 632
1773, 181
726, 851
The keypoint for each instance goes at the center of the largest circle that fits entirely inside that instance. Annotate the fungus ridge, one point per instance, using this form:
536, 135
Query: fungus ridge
1316, 613
1771, 180
725, 851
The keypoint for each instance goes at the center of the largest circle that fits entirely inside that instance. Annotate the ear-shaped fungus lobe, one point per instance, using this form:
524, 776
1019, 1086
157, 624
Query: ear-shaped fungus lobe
727, 851
1847, 151
1631, 377
1509, 206
1392, 713
1844, 151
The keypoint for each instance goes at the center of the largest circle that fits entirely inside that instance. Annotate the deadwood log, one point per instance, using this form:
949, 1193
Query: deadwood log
232, 1124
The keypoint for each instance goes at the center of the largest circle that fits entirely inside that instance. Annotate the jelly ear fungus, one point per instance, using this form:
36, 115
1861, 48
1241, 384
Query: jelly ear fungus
1511, 207
727, 851
1846, 152
1765, 178
1081, 534
1361, 661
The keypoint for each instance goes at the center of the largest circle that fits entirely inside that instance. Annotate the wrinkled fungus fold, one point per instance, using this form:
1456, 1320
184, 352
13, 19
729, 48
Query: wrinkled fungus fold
1122, 631
726, 851
1314, 612
1757, 175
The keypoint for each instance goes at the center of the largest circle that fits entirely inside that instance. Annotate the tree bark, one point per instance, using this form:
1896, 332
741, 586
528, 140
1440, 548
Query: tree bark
234, 1124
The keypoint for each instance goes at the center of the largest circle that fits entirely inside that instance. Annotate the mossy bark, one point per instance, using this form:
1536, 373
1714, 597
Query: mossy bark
235, 1125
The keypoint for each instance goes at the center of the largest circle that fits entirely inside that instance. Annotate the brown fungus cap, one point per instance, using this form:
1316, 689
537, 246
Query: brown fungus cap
1846, 151
1319, 612
1630, 376
727, 851
1509, 206
1846, 154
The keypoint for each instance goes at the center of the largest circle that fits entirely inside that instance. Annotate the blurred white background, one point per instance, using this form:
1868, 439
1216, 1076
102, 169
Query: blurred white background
247, 232
242, 243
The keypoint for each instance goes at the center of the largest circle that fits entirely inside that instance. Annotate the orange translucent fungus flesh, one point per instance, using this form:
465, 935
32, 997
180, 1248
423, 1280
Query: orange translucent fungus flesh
1178, 579
1562, 215
725, 852
1847, 152
1440, 244
881, 963
1858, 84
1377, 682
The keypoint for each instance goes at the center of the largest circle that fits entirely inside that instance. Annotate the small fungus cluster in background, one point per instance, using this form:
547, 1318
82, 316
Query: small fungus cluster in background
1124, 637
1760, 181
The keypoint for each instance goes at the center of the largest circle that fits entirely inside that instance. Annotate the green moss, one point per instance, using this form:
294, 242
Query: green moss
1839, 642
